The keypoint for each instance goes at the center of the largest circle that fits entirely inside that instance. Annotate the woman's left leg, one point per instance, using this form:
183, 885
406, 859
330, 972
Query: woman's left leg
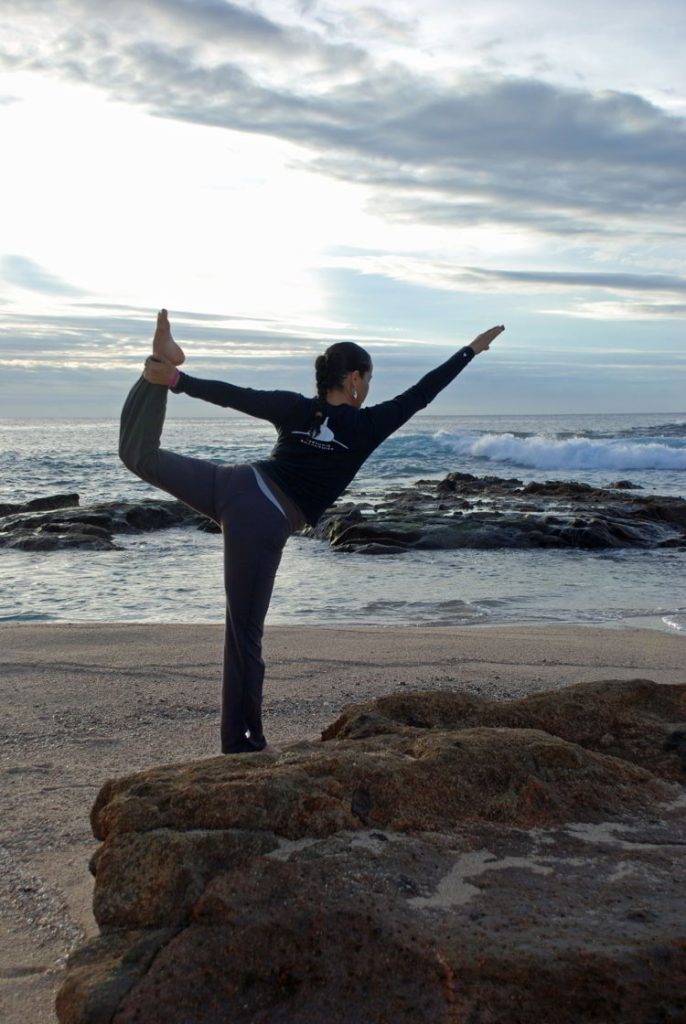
255, 533
142, 419
192, 481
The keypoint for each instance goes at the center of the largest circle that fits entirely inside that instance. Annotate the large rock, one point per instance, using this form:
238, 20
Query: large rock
465, 511
57, 536
49, 501
405, 783
436, 857
635, 720
52, 524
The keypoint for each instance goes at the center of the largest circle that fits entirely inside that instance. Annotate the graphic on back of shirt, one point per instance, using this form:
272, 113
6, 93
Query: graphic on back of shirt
324, 438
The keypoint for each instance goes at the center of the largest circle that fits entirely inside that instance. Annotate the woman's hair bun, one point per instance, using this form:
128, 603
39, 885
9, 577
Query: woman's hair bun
331, 367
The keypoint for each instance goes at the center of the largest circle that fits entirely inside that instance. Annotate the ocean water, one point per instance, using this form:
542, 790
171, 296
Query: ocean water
176, 575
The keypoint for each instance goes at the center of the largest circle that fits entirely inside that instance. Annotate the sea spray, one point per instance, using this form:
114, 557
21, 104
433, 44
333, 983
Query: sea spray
573, 453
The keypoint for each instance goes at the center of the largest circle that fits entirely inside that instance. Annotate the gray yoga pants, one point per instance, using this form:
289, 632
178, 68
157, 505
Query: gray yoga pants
254, 532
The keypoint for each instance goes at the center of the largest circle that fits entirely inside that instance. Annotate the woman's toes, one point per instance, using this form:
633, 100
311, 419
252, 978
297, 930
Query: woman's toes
163, 344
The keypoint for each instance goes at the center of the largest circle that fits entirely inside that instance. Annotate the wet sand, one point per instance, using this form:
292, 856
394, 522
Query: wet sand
83, 703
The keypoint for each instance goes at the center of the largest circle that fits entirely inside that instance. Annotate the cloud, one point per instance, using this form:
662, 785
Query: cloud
472, 150
628, 311
599, 173
451, 277
615, 282
365, 21
216, 19
77, 36
517, 151
148, 313
118, 336
26, 273
54, 364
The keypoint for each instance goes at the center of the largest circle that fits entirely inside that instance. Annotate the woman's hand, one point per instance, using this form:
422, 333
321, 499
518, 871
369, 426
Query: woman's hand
482, 341
159, 370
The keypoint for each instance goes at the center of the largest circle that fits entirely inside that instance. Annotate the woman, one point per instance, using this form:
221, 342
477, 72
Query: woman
321, 444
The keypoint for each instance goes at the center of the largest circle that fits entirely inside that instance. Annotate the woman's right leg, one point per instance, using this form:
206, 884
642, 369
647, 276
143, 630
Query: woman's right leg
254, 536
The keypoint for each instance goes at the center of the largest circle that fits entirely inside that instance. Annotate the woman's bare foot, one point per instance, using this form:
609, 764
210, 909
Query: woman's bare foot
163, 345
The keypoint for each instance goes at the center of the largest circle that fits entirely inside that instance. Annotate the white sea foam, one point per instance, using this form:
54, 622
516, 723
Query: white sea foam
542, 452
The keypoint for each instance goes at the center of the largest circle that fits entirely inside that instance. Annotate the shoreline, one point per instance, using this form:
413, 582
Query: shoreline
653, 624
89, 701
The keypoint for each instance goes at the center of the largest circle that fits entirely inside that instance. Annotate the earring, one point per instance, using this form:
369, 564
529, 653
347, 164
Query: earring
354, 392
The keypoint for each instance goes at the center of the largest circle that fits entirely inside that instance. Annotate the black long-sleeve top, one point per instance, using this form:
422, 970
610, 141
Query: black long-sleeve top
314, 471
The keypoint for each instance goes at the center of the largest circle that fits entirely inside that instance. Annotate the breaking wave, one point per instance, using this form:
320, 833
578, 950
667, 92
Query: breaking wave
677, 621
541, 452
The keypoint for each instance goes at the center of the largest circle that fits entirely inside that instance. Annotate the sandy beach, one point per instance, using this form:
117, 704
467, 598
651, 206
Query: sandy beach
84, 703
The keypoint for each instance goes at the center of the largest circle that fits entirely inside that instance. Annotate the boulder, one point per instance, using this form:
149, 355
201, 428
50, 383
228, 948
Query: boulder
435, 857
51, 524
636, 720
56, 538
50, 501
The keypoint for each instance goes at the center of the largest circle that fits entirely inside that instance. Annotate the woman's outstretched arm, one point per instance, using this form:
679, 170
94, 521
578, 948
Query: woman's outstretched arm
275, 406
162, 367
387, 417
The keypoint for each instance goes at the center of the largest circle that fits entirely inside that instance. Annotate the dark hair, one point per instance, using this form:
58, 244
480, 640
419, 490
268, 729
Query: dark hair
331, 369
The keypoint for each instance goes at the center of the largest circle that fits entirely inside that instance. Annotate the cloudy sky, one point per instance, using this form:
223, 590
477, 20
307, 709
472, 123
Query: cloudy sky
284, 173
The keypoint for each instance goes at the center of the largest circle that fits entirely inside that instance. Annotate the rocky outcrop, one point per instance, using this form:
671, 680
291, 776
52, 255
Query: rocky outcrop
460, 511
42, 525
435, 857
464, 511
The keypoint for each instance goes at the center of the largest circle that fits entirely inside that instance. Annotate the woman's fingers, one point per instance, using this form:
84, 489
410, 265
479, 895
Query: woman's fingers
158, 371
493, 333
482, 341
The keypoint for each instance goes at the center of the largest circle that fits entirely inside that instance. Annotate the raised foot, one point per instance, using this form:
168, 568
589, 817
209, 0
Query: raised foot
163, 345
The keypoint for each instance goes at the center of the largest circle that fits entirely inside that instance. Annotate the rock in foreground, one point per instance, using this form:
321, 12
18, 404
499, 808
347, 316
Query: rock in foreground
437, 857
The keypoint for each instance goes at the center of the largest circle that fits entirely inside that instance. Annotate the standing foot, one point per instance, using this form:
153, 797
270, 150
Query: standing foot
163, 345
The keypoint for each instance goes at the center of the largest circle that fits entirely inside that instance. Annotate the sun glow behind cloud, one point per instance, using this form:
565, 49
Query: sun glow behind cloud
108, 202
